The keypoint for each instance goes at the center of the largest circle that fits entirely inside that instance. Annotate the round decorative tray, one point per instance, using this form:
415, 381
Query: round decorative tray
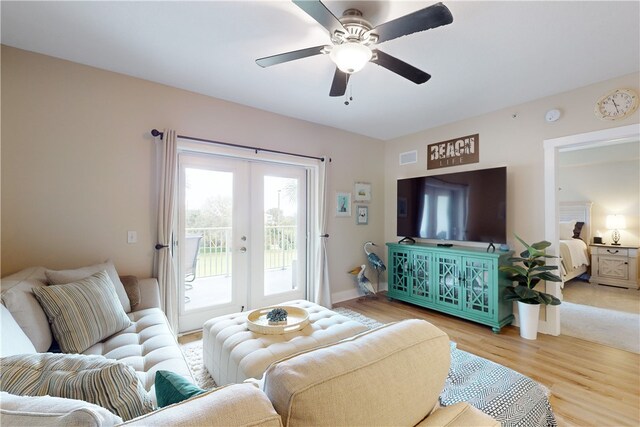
297, 319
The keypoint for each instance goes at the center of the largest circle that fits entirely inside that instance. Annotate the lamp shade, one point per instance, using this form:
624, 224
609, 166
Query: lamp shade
616, 222
350, 57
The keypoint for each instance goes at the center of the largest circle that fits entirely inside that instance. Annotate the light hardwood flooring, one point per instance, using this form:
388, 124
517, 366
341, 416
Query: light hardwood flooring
591, 384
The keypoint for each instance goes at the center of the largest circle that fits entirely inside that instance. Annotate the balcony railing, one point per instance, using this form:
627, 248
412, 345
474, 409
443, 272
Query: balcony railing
215, 252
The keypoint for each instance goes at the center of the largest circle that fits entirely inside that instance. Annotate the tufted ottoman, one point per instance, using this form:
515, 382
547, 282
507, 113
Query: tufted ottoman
232, 353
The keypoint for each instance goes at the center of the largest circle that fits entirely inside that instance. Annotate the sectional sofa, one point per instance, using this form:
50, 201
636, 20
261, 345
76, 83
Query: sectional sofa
388, 376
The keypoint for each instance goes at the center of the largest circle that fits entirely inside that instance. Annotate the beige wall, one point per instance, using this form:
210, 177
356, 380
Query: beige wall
610, 178
513, 142
78, 164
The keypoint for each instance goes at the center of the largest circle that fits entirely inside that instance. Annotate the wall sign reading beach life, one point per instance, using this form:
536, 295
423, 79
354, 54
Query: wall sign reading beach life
454, 152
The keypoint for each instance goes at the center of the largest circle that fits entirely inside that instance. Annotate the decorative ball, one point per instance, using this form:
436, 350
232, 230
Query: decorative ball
277, 315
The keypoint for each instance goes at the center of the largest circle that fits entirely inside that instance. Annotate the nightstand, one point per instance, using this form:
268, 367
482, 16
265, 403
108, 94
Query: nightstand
614, 265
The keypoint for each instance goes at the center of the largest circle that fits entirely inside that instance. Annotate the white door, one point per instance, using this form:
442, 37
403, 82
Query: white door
242, 236
279, 234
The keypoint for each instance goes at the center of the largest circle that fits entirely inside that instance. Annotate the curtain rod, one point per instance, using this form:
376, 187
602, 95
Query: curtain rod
156, 132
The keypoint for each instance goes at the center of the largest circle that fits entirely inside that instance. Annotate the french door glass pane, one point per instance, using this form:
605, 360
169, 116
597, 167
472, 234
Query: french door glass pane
207, 254
280, 234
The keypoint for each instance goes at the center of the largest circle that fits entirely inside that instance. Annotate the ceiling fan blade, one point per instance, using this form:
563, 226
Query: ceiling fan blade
268, 61
318, 11
425, 19
339, 84
399, 67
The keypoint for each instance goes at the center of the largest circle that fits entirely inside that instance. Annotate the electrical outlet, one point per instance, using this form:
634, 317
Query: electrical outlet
132, 237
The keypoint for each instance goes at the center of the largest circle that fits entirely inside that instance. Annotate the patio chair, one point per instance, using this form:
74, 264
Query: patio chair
192, 244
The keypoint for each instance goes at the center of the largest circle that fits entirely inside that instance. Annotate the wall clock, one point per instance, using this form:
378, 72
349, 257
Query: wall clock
617, 105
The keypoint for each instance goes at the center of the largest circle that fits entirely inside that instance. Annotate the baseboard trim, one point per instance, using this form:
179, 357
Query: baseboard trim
353, 293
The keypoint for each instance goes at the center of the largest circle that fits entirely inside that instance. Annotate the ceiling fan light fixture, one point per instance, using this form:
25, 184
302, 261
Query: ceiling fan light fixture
350, 57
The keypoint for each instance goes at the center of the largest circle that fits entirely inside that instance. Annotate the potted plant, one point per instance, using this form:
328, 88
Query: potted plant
532, 270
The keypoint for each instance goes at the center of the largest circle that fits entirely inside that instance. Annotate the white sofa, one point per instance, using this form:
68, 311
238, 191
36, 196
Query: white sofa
388, 376
147, 345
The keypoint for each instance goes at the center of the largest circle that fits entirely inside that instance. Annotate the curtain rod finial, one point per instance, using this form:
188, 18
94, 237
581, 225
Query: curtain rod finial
156, 132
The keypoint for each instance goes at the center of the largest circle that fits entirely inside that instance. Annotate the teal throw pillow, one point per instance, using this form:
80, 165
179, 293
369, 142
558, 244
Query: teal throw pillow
174, 388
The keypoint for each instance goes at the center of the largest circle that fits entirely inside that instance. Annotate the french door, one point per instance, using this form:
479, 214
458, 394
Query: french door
242, 240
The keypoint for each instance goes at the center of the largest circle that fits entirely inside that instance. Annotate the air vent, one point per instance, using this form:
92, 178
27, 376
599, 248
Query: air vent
408, 157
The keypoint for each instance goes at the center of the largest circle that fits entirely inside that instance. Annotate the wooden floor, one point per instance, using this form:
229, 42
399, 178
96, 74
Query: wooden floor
591, 384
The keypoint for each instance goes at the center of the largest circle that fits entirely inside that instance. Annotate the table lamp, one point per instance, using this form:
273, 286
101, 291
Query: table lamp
615, 223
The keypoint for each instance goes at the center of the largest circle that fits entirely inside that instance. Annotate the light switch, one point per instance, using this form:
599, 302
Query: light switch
132, 237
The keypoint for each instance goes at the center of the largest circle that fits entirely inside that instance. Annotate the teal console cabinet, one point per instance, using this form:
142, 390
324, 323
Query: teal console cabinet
461, 281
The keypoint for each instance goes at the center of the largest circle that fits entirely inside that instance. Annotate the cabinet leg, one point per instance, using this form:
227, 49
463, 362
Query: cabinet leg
496, 330
390, 299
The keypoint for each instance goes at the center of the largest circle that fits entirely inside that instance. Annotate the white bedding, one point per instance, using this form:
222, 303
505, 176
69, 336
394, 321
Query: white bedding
574, 254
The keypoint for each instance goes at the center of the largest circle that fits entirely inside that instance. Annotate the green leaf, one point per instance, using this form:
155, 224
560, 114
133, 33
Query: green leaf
525, 293
530, 249
549, 299
541, 245
514, 269
550, 277
523, 280
545, 268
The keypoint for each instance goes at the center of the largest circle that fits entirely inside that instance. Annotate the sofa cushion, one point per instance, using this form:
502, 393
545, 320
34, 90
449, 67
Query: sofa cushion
82, 313
19, 299
53, 411
13, 339
94, 379
351, 382
174, 388
229, 406
148, 345
132, 288
63, 277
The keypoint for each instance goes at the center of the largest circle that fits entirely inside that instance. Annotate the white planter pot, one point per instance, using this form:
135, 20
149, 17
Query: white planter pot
528, 316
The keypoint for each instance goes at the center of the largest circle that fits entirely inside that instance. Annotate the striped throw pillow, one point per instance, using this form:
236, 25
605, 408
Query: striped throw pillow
82, 313
94, 379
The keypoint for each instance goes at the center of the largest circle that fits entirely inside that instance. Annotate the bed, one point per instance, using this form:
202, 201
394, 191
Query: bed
575, 232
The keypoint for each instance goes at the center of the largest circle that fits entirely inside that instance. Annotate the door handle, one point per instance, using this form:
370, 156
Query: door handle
243, 249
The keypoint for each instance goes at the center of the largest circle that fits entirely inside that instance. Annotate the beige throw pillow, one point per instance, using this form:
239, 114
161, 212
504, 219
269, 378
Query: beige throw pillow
63, 277
18, 297
82, 313
94, 379
53, 411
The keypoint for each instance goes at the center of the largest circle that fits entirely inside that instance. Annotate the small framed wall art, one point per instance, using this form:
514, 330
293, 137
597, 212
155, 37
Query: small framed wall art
363, 192
343, 204
362, 217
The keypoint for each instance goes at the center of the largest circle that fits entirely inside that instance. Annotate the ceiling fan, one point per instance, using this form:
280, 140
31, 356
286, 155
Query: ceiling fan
354, 41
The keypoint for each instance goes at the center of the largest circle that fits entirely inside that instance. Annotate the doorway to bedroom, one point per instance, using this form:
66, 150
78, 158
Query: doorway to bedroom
242, 235
594, 182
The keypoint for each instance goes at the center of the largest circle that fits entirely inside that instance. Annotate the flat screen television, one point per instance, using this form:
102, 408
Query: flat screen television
463, 206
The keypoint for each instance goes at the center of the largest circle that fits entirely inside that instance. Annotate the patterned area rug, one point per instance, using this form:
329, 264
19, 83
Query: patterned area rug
510, 397
506, 395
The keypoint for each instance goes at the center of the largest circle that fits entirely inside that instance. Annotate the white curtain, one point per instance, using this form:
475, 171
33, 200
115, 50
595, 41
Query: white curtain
166, 271
322, 287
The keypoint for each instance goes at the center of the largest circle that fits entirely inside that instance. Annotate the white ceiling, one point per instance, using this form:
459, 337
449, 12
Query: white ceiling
494, 55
